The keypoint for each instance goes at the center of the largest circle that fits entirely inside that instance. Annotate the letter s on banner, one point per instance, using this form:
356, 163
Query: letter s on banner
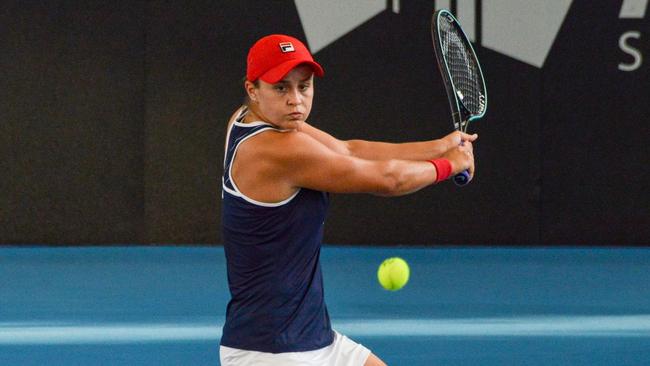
635, 53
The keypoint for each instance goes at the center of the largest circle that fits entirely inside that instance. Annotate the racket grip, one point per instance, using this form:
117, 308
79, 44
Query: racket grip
462, 179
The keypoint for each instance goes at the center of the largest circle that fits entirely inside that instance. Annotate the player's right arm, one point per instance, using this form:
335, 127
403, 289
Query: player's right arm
377, 150
305, 162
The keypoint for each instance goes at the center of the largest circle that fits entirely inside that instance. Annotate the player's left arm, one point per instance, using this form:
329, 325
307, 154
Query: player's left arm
375, 150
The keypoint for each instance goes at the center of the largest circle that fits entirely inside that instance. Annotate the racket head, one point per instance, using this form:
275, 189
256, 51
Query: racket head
460, 69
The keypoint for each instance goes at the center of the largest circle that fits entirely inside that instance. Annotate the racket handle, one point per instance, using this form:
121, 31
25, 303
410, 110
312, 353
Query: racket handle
462, 179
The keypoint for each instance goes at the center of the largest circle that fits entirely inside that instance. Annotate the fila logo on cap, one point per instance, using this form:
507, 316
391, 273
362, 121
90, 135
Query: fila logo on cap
287, 47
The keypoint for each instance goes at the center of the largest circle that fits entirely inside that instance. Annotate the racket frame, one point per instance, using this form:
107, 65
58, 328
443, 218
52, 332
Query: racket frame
461, 116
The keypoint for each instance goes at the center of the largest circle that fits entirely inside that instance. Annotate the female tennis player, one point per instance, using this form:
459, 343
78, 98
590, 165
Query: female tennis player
278, 172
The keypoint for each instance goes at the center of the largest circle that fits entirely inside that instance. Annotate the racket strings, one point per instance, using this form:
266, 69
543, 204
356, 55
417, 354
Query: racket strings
463, 68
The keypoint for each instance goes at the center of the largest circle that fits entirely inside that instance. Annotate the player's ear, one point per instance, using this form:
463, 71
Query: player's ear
251, 90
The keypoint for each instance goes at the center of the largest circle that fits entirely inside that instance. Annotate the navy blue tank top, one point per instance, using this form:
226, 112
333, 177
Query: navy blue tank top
273, 262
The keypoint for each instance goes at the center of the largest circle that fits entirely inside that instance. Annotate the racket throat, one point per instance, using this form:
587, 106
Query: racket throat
462, 118
461, 126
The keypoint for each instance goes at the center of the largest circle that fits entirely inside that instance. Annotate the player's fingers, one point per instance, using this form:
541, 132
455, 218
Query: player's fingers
471, 164
468, 157
454, 139
467, 137
467, 146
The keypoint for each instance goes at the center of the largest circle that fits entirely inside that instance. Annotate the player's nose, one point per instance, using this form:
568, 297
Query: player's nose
294, 97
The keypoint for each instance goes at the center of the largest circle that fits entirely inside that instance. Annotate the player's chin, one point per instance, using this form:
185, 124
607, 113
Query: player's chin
292, 124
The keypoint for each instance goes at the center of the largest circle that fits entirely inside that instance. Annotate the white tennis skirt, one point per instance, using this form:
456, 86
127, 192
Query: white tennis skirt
342, 352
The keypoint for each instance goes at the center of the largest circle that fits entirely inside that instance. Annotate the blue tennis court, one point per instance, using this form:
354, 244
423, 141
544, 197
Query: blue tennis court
462, 306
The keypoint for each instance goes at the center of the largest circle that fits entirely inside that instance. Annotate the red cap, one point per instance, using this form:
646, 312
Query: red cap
273, 56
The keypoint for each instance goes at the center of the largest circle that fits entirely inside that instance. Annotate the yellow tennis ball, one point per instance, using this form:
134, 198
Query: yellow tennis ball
393, 273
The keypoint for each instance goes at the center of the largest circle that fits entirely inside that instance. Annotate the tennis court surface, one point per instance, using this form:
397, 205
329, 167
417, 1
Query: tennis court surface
462, 306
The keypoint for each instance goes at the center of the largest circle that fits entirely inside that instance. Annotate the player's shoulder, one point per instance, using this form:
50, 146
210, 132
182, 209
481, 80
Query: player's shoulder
278, 144
282, 142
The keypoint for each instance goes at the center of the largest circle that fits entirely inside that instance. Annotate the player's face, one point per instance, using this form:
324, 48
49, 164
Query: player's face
286, 103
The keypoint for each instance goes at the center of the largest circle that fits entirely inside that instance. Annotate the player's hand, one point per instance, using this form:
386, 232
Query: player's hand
461, 158
457, 138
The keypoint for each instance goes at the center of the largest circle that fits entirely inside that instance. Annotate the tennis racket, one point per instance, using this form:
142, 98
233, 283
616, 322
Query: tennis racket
461, 74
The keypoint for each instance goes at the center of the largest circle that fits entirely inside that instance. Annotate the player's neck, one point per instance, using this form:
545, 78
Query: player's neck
253, 115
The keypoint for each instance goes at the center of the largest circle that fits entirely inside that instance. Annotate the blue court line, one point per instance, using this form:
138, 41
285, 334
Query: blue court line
552, 326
